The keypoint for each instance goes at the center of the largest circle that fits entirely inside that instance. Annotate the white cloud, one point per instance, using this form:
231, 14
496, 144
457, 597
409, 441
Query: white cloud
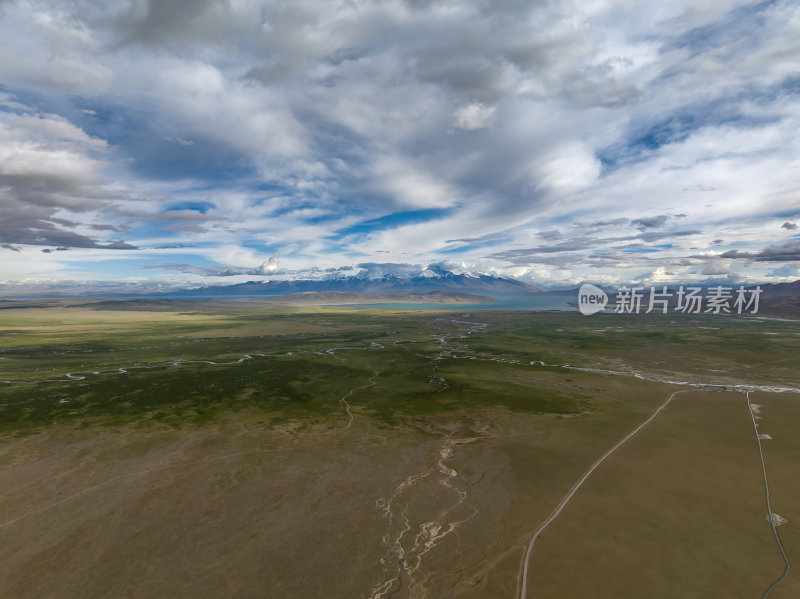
716, 267
473, 116
47, 48
409, 184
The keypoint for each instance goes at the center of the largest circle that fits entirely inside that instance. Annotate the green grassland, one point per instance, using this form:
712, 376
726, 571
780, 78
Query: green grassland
128, 364
221, 448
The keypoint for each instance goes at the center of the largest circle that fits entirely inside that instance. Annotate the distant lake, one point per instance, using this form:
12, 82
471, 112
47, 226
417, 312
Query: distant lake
534, 303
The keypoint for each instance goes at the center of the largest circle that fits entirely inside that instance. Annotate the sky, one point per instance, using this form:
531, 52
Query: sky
148, 144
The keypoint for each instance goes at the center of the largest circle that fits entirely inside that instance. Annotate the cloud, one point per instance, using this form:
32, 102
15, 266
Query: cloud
31, 225
378, 270
166, 23
178, 140
603, 224
483, 239
651, 236
473, 116
269, 267
783, 252
651, 222
409, 183
226, 130
519, 256
789, 226
550, 235
107, 227
74, 62
49, 167
7, 101
717, 267
700, 187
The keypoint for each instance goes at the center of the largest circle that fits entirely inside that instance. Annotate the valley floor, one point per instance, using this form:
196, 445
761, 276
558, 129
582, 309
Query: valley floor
256, 451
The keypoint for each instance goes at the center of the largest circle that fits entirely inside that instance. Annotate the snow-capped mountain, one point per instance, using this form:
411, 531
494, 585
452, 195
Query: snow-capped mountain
422, 281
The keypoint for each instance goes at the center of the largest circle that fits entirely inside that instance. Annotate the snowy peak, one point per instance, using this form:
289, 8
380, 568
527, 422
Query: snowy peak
417, 282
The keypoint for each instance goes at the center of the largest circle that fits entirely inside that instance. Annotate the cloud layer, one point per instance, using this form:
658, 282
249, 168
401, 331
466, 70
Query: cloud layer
554, 141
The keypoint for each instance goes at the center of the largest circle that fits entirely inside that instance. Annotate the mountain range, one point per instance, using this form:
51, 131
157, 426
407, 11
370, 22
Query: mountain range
442, 281
777, 299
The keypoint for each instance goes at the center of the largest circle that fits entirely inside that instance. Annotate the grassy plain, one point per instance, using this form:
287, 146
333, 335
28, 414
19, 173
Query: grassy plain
778, 416
211, 448
678, 512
